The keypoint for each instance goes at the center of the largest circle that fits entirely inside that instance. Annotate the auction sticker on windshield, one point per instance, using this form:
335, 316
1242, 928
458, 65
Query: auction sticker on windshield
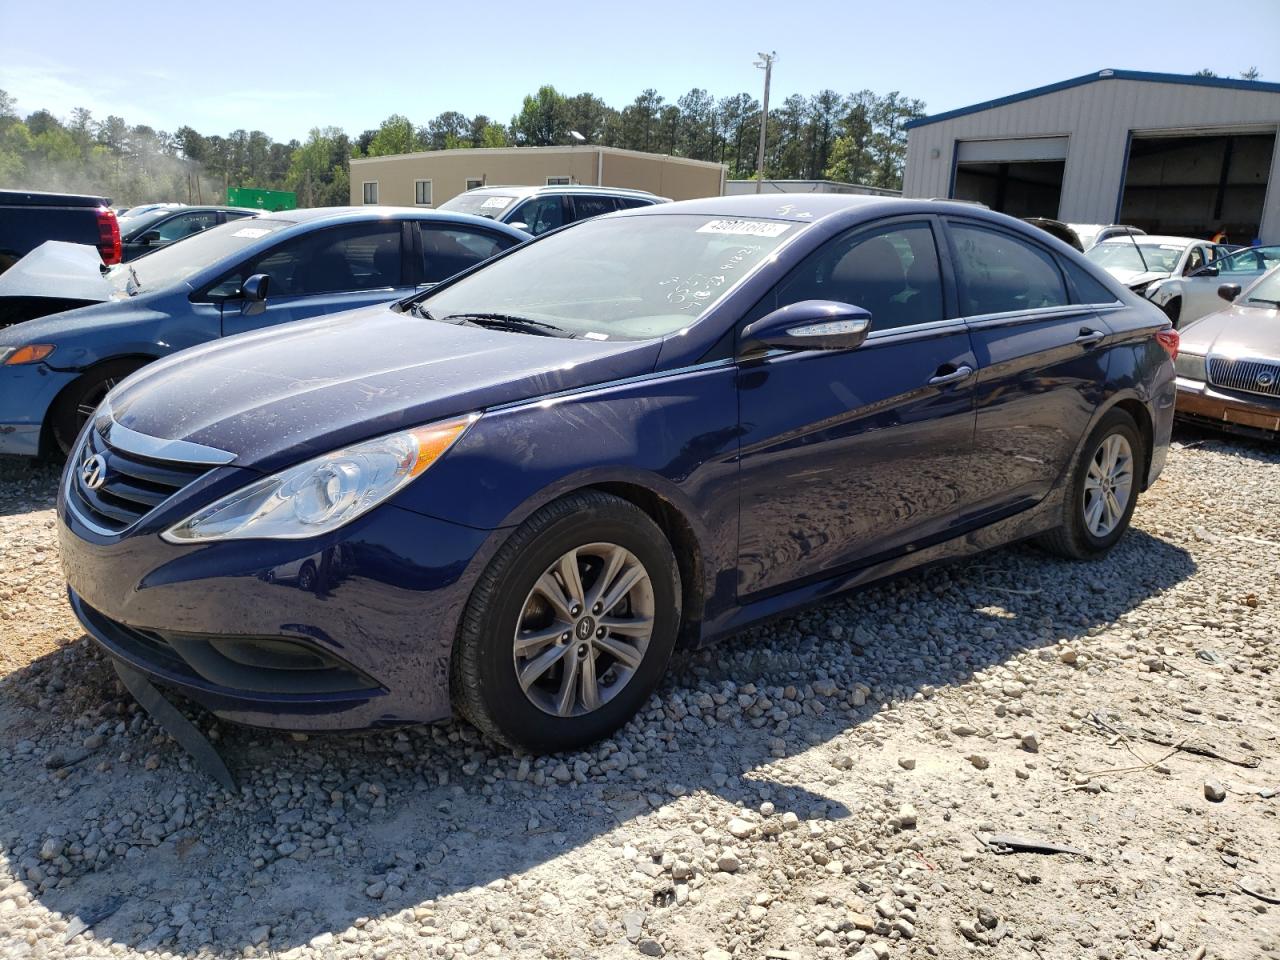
745, 228
251, 233
493, 202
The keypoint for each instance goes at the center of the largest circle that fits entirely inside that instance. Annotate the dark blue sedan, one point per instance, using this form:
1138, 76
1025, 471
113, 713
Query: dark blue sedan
241, 276
517, 494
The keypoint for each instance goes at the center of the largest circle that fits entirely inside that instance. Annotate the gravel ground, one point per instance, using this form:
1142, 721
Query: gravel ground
822, 786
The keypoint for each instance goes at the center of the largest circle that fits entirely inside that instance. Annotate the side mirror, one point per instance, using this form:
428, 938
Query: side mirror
254, 291
809, 325
151, 236
1209, 271
1229, 291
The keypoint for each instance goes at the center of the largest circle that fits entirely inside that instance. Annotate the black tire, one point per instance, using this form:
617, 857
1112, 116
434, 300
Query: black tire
1073, 539
74, 405
1173, 310
307, 577
483, 679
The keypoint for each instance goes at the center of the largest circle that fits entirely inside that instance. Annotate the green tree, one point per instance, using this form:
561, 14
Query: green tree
543, 119
395, 135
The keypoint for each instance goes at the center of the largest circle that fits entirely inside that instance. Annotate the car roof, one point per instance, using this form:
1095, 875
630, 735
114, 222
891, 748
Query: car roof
192, 208
307, 216
529, 190
810, 207
1150, 239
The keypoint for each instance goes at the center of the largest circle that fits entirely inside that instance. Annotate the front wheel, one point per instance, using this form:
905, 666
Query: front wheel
571, 626
78, 402
1102, 490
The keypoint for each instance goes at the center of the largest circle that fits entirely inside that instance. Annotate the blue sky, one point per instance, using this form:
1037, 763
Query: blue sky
217, 68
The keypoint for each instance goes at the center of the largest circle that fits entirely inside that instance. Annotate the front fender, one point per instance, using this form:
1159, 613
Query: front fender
671, 435
1162, 291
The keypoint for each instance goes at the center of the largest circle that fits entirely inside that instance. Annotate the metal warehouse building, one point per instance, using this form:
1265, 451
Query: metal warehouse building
432, 177
1172, 154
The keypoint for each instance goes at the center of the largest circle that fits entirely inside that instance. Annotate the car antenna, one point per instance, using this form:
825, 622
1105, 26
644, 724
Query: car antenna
1137, 246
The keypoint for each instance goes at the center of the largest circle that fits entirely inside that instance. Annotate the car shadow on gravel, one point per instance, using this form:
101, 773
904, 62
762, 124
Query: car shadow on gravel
1246, 447
330, 830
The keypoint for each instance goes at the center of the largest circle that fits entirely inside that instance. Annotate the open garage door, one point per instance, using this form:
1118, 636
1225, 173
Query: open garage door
1196, 186
1020, 177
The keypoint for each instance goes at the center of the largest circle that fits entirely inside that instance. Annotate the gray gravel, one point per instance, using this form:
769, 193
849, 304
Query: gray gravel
822, 786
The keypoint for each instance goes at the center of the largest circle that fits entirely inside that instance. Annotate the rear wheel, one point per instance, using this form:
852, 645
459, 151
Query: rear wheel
78, 402
1102, 490
570, 628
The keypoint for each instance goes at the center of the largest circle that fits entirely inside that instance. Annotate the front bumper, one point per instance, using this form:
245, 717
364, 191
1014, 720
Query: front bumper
26, 393
1202, 403
376, 603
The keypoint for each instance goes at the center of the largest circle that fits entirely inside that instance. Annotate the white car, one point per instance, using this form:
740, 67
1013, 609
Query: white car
1094, 233
1184, 299
1138, 262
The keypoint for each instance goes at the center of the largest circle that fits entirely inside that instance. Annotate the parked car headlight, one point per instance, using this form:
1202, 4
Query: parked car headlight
322, 494
1190, 366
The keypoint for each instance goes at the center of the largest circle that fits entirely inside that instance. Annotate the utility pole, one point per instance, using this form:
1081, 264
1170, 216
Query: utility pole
765, 63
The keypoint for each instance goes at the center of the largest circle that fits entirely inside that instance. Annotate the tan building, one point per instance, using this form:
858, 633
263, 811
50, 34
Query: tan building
431, 178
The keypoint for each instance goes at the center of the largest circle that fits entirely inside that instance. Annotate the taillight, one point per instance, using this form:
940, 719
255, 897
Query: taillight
108, 236
1169, 339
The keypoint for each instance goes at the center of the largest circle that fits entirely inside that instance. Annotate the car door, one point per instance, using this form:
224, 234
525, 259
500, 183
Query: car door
848, 457
446, 249
1200, 292
327, 270
1041, 364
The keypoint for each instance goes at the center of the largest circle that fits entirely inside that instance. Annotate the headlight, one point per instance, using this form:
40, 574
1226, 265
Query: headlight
325, 493
31, 353
1190, 366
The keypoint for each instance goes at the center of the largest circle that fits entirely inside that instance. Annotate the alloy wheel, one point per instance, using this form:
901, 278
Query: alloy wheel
1108, 485
584, 629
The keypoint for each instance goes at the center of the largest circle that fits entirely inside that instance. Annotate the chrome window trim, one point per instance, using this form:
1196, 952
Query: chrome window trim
1027, 316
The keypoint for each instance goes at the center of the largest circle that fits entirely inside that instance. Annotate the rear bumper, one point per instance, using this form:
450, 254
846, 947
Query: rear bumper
1201, 403
26, 393
375, 604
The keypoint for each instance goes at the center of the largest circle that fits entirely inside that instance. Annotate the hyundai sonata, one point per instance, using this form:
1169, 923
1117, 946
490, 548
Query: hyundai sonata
516, 494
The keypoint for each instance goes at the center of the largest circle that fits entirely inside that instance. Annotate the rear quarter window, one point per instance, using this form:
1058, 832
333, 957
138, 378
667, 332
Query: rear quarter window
1086, 287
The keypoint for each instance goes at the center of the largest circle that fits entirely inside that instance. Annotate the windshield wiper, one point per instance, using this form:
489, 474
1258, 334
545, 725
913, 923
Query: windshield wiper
508, 321
418, 310
1274, 303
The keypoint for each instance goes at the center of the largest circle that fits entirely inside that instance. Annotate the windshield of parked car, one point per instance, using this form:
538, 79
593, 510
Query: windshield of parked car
619, 277
1266, 292
178, 261
1123, 255
490, 205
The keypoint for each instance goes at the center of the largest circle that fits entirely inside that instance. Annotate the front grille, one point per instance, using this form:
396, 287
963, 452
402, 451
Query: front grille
1251, 376
131, 485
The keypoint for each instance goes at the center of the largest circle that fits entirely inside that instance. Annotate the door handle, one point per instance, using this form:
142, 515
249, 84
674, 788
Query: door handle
1089, 337
962, 372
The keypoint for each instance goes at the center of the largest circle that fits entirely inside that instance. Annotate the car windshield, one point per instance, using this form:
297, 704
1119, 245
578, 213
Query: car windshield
622, 277
1123, 255
1266, 292
479, 204
178, 261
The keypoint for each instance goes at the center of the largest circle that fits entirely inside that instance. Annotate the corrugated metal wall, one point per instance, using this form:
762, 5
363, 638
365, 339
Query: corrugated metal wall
1098, 117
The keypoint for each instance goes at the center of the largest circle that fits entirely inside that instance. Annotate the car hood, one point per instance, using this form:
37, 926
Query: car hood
1239, 331
1132, 278
66, 271
282, 395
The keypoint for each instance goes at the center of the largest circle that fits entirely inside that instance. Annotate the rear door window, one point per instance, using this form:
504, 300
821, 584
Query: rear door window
450, 250
999, 273
584, 207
